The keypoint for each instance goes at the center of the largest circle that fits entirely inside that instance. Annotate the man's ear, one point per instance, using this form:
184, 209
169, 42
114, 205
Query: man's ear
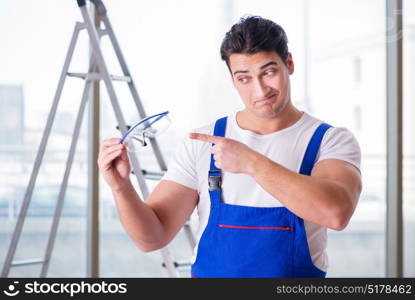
290, 63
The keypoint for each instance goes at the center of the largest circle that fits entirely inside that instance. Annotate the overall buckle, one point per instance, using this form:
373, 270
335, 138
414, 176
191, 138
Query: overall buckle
215, 180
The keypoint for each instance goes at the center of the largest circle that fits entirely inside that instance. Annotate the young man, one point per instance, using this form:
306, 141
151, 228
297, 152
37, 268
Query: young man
267, 181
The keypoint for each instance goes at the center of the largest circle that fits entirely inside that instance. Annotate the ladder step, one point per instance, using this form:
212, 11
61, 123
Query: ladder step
121, 78
179, 264
77, 75
102, 32
18, 263
98, 76
152, 175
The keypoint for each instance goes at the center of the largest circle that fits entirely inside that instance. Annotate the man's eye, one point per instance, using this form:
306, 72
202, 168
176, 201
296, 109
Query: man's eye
270, 72
243, 80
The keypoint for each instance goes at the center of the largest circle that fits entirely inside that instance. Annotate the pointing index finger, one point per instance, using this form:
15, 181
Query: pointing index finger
205, 137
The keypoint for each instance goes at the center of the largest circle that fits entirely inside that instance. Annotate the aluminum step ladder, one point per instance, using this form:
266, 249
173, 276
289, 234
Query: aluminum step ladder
97, 71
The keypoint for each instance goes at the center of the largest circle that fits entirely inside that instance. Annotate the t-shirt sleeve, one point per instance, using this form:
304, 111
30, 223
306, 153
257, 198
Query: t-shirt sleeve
182, 166
340, 143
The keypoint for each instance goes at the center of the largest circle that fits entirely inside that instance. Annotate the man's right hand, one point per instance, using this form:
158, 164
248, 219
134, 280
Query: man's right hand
114, 164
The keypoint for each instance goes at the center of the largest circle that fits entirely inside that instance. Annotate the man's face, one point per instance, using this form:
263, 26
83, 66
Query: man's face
262, 80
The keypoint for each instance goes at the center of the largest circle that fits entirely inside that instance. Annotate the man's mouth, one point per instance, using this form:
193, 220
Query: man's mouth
265, 100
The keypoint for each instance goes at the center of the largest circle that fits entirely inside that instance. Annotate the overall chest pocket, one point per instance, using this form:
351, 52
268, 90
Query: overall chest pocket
257, 244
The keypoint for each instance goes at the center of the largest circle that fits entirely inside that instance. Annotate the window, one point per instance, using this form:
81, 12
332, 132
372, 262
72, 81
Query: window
352, 45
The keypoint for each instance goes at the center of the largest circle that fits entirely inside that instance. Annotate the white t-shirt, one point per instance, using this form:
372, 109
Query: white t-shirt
190, 164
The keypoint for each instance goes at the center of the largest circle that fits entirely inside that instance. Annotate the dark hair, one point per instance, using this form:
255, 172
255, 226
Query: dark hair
253, 34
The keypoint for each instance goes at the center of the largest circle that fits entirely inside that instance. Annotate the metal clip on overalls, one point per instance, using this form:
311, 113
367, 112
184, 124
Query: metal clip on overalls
215, 180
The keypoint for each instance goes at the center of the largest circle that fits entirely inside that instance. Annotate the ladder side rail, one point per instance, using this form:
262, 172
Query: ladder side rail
132, 87
39, 157
99, 59
160, 159
63, 187
190, 235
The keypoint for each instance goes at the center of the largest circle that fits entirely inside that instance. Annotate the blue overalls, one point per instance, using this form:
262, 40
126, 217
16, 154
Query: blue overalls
246, 241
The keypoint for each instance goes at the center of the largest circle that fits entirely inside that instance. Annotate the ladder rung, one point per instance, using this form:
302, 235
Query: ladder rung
18, 263
98, 76
178, 264
78, 75
102, 32
120, 78
153, 175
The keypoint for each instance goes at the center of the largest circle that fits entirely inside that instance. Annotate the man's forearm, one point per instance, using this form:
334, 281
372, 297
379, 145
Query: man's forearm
321, 201
139, 219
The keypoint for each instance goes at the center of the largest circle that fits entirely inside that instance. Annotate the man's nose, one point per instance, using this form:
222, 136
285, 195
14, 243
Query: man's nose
260, 89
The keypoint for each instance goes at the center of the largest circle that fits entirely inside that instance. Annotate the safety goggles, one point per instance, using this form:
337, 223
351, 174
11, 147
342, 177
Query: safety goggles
147, 128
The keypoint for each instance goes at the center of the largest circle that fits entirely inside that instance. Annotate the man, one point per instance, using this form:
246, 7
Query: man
267, 181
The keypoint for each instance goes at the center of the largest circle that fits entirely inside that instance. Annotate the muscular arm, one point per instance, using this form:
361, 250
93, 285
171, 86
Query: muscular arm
154, 223
328, 197
151, 224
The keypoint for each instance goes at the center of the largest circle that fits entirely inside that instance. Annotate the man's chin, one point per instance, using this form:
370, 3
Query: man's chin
265, 112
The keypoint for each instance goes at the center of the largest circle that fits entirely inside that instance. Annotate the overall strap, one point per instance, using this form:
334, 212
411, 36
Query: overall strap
215, 176
312, 149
